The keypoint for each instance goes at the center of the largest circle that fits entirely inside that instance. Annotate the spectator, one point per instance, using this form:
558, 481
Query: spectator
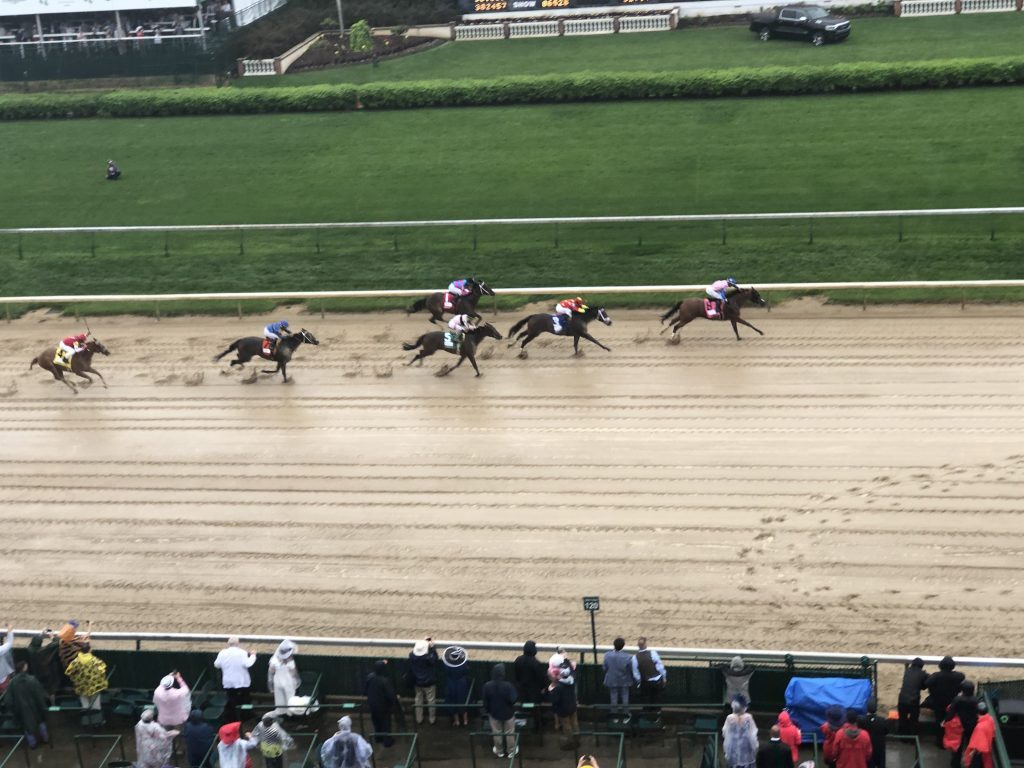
199, 737
7, 658
172, 703
28, 704
499, 704
382, 702
562, 695
274, 741
979, 749
877, 728
232, 749
774, 754
113, 172
234, 664
42, 662
737, 676
587, 761
345, 749
70, 643
852, 747
908, 705
556, 661
650, 676
964, 706
834, 720
283, 676
943, 687
531, 676
423, 676
790, 735
153, 743
456, 689
618, 677
740, 736
88, 675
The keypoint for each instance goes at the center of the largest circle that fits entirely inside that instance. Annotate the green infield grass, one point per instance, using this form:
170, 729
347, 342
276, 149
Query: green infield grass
908, 150
883, 39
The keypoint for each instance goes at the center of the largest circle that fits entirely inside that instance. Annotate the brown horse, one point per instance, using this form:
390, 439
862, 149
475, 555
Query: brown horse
462, 305
81, 364
435, 340
692, 309
574, 325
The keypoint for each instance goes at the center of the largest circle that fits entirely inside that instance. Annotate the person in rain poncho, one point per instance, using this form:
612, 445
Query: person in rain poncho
740, 734
737, 676
274, 741
283, 676
153, 742
232, 748
345, 749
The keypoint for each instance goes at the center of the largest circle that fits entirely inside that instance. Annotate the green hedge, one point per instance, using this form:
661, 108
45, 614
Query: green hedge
763, 81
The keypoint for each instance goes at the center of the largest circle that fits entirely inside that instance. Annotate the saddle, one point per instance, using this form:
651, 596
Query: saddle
560, 323
449, 301
61, 358
453, 341
713, 309
267, 349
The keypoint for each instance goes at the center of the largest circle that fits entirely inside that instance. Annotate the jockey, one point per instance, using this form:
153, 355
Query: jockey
462, 324
72, 345
462, 287
722, 289
569, 306
275, 332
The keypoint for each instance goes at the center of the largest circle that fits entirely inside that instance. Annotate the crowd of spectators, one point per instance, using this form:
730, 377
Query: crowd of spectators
850, 738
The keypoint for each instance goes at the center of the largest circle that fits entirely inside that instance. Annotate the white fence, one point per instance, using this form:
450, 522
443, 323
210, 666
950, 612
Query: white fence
534, 29
950, 7
646, 24
480, 32
604, 26
250, 67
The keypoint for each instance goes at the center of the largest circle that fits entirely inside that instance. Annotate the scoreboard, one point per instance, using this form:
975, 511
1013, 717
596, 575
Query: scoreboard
492, 6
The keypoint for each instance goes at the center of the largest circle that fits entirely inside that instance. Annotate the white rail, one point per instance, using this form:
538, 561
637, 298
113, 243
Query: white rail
541, 291
654, 219
672, 652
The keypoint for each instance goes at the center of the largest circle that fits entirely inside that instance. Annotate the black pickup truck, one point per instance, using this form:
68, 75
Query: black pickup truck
803, 22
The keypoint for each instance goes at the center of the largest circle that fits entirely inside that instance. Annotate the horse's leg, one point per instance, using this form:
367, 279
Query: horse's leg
83, 375
59, 376
741, 321
472, 359
576, 344
680, 323
588, 337
461, 358
530, 337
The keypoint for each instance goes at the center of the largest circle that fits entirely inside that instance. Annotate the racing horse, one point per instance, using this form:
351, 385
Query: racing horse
574, 325
692, 309
466, 350
81, 364
252, 346
462, 305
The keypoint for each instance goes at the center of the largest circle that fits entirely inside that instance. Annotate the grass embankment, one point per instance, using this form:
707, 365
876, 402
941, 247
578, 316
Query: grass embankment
882, 39
926, 149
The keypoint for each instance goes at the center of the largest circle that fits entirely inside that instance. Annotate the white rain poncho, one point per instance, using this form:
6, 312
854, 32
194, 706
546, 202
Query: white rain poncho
283, 676
346, 749
153, 742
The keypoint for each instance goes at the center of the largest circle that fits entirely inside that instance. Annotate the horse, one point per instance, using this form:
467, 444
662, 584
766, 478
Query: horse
574, 325
434, 340
81, 364
462, 305
252, 346
691, 309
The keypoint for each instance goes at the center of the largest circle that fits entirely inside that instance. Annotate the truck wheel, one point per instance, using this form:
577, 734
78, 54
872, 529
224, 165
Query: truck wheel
818, 39
764, 35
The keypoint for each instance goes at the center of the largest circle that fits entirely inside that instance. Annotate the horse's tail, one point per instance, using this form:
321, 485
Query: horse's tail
34, 361
671, 312
515, 328
229, 350
417, 306
410, 347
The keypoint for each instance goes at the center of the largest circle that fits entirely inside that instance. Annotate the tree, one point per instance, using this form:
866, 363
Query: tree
360, 39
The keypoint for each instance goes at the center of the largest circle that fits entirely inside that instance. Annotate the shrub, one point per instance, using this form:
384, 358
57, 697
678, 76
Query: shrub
360, 39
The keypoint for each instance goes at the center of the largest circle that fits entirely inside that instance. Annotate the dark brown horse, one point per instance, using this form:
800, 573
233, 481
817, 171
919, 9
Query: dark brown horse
466, 350
462, 305
692, 309
574, 325
81, 364
252, 346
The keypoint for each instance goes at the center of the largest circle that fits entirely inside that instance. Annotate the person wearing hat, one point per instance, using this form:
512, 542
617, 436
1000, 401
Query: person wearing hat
834, 721
42, 662
737, 674
964, 707
283, 676
562, 695
382, 701
423, 676
877, 728
456, 689
172, 703
499, 704
345, 749
153, 743
908, 704
70, 643
943, 686
232, 748
88, 675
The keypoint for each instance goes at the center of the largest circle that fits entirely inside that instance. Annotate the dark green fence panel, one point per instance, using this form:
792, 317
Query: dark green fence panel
122, 59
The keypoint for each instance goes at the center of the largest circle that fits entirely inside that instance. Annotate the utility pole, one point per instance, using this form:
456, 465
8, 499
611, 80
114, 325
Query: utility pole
341, 24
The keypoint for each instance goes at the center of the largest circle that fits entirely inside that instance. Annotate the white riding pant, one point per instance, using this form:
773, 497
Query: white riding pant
563, 310
269, 335
715, 294
68, 350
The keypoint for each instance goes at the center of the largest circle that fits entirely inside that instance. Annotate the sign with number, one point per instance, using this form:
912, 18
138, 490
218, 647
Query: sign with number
591, 603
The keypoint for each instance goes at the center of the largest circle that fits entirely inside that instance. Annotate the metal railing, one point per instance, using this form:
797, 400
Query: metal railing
118, 742
1002, 757
19, 744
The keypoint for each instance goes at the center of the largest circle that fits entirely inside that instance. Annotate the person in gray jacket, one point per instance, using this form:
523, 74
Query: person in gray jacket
618, 678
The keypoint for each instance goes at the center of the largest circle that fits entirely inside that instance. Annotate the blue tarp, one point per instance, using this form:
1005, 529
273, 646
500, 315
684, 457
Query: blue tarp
807, 698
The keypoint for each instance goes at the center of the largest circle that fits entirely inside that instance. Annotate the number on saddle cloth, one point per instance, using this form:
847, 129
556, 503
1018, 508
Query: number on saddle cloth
61, 358
267, 349
714, 309
560, 323
449, 301
453, 340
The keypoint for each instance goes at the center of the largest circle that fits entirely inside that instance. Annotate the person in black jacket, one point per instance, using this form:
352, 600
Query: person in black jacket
775, 754
382, 701
531, 678
964, 706
422, 675
499, 704
943, 686
562, 695
908, 705
877, 728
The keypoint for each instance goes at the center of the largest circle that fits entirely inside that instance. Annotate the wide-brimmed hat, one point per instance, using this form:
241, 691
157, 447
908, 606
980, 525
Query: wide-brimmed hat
455, 656
421, 648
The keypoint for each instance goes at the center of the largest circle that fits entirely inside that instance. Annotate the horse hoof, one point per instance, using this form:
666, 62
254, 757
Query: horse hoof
523, 354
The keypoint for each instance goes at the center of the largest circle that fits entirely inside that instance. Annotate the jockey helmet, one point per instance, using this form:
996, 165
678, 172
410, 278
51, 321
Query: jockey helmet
81, 337
731, 281
283, 323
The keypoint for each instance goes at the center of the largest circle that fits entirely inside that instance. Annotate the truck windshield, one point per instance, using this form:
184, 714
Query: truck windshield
816, 13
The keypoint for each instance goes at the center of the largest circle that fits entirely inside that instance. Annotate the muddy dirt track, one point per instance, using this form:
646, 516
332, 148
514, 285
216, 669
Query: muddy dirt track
849, 481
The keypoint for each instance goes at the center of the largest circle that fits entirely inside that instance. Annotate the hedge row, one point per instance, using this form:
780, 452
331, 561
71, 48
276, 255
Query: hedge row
764, 81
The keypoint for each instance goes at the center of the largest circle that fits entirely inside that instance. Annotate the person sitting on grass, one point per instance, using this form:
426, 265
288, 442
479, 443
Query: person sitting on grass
113, 172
